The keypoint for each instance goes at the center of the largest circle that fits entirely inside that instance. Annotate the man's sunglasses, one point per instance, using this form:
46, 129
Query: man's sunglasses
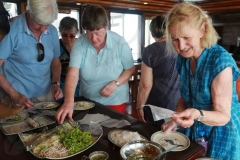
40, 49
71, 36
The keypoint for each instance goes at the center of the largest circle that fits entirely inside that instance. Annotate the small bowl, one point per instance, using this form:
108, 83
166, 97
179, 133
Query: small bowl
141, 149
98, 155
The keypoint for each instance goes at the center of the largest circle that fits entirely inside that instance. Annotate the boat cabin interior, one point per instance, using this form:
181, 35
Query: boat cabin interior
225, 15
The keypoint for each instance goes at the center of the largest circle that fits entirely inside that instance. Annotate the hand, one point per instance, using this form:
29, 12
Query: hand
20, 99
56, 92
108, 89
65, 110
141, 115
185, 118
169, 126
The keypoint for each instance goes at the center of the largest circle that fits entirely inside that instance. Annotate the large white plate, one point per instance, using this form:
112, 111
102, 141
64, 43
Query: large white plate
23, 126
41, 104
176, 137
118, 131
83, 105
95, 138
11, 119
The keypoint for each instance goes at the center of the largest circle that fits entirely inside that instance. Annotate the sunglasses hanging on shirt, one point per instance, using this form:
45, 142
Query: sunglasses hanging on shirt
71, 36
40, 49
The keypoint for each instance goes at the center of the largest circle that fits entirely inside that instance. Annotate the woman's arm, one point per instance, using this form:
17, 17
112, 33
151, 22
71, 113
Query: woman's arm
145, 87
67, 108
111, 86
125, 76
221, 91
222, 98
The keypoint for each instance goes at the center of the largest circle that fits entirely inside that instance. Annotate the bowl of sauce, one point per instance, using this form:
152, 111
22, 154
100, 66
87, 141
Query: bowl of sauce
98, 155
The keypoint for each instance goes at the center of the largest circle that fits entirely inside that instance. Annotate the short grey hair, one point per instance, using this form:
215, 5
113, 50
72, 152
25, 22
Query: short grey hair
44, 12
68, 24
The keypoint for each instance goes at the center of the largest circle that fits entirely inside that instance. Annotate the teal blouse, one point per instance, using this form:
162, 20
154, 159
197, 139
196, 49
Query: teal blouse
222, 140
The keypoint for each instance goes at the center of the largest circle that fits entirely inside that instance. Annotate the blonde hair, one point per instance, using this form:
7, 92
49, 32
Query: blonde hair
187, 13
44, 12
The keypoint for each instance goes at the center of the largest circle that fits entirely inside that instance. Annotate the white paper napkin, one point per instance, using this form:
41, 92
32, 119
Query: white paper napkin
160, 113
96, 118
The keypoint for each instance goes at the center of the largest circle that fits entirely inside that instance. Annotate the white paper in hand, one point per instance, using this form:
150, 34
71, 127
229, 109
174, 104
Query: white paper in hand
160, 113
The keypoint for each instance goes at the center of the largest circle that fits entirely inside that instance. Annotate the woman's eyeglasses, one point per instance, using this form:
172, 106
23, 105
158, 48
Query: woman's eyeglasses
71, 36
40, 49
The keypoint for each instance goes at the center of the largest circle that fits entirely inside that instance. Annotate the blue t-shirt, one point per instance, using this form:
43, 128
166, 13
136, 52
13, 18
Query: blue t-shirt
222, 140
99, 69
19, 52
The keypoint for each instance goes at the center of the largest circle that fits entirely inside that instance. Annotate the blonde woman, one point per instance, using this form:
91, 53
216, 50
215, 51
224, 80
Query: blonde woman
208, 75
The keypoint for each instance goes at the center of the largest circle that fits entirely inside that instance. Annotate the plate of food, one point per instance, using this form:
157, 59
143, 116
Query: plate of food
15, 118
64, 141
168, 140
120, 137
26, 125
46, 105
83, 105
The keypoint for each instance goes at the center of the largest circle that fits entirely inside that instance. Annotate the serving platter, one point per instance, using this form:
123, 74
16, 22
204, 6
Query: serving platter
168, 140
83, 105
54, 137
23, 126
124, 139
15, 118
46, 105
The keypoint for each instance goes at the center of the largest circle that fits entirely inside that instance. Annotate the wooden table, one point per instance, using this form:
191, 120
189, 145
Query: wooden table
11, 147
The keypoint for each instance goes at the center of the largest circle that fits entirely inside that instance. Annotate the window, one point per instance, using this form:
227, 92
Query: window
73, 14
129, 27
148, 37
11, 8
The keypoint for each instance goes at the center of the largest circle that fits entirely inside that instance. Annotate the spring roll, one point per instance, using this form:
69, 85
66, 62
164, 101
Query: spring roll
32, 123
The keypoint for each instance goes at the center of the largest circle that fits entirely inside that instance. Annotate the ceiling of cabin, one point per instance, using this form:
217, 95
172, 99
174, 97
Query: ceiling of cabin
160, 6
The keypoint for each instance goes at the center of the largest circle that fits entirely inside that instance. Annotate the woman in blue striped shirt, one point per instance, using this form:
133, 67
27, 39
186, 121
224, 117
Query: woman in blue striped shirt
208, 75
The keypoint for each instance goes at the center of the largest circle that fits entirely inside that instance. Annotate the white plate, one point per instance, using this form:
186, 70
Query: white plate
117, 131
83, 105
176, 137
22, 115
41, 104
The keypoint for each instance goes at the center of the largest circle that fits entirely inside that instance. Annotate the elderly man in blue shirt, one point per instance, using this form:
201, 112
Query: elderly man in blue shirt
30, 67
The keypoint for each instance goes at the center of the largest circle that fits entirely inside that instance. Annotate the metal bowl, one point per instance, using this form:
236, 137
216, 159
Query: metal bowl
141, 150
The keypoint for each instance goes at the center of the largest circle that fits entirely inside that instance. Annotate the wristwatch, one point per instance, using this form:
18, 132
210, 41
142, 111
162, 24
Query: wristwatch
117, 83
58, 83
200, 118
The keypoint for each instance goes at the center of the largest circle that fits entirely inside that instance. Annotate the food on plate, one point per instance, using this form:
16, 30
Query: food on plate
32, 123
65, 141
48, 105
83, 105
122, 137
16, 117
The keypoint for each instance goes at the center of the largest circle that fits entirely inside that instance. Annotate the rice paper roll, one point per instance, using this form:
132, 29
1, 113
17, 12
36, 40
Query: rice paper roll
32, 123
